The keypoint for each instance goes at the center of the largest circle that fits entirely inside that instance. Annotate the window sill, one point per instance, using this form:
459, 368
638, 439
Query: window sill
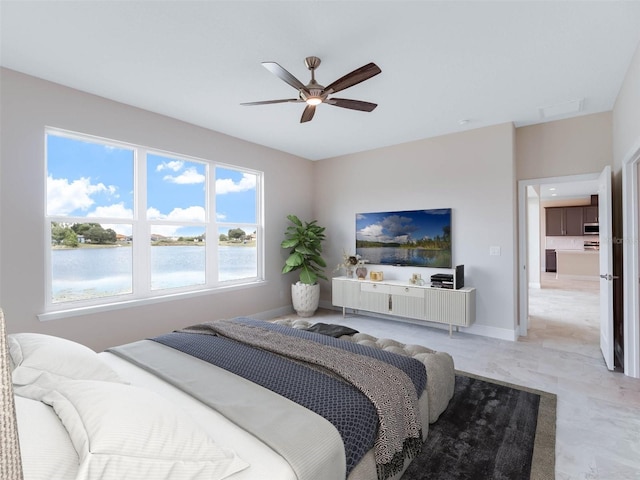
106, 307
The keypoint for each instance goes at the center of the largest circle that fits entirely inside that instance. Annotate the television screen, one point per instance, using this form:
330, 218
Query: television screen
419, 238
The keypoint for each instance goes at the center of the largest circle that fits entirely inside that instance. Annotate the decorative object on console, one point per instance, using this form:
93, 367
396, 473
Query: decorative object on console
419, 238
376, 276
351, 263
361, 272
305, 241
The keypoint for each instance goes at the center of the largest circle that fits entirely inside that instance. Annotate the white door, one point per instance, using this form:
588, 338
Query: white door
606, 267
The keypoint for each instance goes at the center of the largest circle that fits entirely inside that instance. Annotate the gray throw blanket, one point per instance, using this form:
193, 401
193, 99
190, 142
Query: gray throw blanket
389, 389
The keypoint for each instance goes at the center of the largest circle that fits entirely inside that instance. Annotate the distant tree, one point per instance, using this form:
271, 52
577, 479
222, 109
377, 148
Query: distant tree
83, 228
237, 234
58, 233
70, 238
111, 236
96, 234
223, 237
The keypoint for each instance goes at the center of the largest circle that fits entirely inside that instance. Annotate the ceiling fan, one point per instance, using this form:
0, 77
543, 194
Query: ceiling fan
314, 94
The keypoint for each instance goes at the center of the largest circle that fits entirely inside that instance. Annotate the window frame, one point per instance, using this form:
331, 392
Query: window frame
142, 293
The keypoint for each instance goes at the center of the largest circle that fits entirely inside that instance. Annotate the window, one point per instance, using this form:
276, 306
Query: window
129, 222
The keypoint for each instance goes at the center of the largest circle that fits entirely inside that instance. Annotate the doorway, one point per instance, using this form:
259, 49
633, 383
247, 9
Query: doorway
562, 311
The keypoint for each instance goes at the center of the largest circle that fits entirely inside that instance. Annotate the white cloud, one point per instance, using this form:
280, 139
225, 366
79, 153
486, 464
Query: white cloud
154, 213
189, 214
117, 210
188, 177
227, 185
64, 197
175, 165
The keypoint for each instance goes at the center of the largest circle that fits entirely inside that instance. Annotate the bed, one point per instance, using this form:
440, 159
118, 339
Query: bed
142, 410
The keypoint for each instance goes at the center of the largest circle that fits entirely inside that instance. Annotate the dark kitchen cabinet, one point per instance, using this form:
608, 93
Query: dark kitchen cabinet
550, 260
564, 221
574, 222
555, 221
590, 214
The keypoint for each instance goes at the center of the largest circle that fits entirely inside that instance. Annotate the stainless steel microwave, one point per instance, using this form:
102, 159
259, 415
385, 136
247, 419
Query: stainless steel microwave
591, 229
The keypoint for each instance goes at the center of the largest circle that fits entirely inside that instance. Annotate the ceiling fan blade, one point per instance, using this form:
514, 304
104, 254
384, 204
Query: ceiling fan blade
281, 73
352, 104
350, 79
308, 113
267, 102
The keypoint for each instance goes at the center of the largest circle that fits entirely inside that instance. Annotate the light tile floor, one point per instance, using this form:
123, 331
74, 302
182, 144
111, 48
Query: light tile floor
598, 415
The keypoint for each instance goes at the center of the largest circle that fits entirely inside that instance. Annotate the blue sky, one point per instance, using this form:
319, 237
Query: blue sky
399, 227
88, 179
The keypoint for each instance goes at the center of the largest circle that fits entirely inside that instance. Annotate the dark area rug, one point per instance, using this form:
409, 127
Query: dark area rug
490, 430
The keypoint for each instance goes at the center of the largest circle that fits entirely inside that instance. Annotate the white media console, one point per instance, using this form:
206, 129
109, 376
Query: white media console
440, 305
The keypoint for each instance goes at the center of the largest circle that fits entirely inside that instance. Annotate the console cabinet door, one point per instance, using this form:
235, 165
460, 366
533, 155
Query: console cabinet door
375, 297
408, 302
450, 306
345, 293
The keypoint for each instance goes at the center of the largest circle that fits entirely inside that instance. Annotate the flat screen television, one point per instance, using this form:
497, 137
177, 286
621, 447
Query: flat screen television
418, 238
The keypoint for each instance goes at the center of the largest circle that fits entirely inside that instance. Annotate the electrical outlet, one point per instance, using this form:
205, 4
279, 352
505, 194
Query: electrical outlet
494, 251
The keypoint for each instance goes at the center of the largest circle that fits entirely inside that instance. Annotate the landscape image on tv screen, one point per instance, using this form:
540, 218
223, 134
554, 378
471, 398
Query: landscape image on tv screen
419, 238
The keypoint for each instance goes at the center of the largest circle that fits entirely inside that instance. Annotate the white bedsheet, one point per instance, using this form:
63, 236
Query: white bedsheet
265, 463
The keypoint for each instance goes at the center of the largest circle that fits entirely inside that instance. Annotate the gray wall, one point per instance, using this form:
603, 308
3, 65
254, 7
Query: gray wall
28, 105
471, 172
564, 147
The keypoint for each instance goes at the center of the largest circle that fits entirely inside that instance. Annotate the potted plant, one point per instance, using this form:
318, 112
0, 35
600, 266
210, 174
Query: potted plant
305, 243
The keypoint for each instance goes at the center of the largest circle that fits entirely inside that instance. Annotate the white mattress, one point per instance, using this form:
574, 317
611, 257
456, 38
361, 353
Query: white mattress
265, 463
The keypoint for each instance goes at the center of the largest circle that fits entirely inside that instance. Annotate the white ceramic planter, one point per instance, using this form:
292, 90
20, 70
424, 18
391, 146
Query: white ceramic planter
305, 298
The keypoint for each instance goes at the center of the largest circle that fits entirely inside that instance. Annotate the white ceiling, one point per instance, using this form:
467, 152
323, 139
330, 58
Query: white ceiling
566, 190
442, 62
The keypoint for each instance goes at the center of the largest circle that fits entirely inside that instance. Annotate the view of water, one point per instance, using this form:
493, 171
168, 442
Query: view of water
418, 257
97, 272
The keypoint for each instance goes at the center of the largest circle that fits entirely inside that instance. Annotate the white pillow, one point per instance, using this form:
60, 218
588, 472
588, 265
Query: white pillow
35, 353
45, 446
124, 432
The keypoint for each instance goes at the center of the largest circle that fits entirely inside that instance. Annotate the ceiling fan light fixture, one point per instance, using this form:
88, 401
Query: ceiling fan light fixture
313, 94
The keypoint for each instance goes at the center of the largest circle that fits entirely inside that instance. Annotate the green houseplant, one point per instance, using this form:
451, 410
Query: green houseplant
304, 241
